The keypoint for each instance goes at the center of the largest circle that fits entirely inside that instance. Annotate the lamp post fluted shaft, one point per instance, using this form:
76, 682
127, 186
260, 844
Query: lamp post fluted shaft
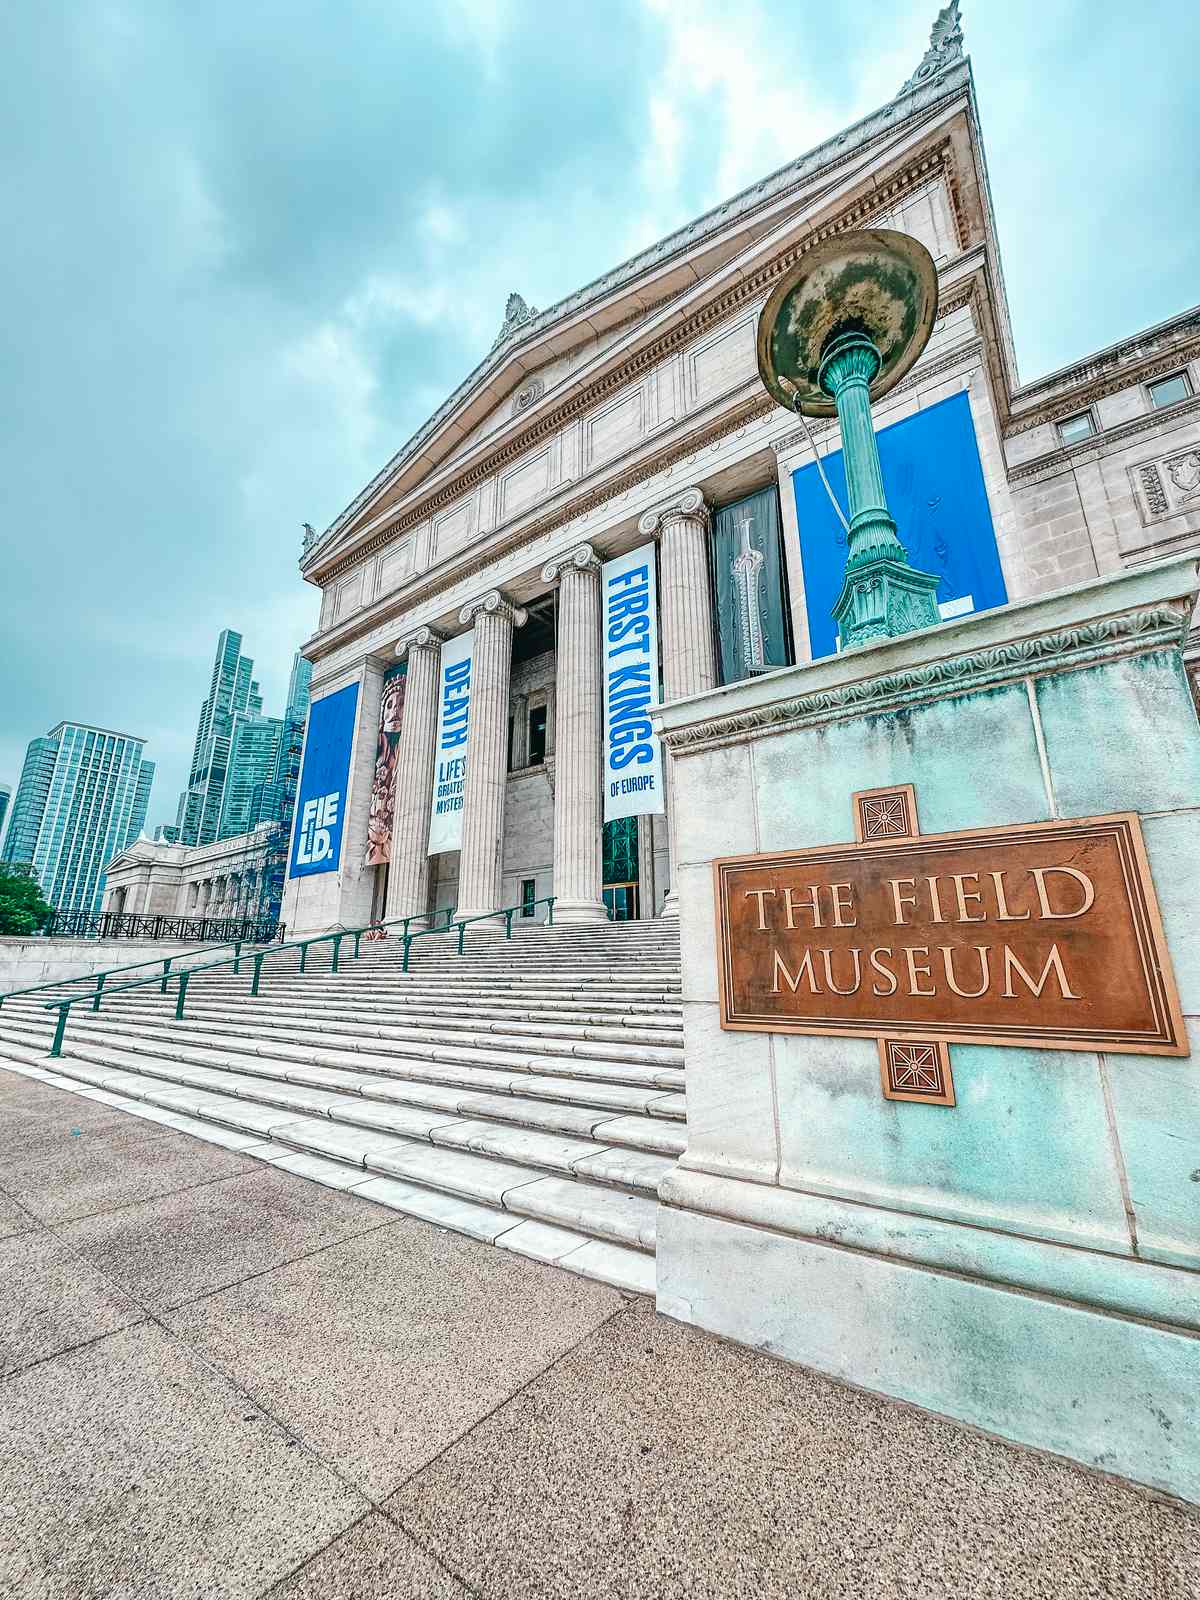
882, 595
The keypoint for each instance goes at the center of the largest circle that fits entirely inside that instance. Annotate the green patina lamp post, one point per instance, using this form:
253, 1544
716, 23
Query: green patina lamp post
839, 331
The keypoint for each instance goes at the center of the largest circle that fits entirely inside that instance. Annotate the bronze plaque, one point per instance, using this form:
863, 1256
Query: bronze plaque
1046, 934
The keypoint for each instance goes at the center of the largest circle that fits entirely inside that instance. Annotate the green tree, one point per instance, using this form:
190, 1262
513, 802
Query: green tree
22, 909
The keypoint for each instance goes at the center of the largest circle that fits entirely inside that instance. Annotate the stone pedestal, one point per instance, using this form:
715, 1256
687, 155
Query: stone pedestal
689, 655
1027, 1260
578, 867
487, 753
408, 875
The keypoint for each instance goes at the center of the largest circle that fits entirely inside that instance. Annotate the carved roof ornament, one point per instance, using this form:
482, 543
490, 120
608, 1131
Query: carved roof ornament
310, 537
945, 47
516, 315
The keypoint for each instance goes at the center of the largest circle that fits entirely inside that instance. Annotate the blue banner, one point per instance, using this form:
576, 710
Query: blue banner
321, 803
936, 493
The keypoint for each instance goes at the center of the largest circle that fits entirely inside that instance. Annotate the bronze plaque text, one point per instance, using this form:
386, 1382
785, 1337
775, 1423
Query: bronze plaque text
1047, 934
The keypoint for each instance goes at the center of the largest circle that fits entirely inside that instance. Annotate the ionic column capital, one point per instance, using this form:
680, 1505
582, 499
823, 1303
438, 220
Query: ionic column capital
422, 639
686, 507
493, 604
582, 559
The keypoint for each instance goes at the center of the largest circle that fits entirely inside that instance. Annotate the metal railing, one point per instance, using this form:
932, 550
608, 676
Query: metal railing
183, 975
130, 925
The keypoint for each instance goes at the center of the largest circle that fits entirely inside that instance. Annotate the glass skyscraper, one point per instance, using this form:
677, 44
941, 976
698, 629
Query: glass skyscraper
253, 751
232, 694
5, 798
82, 798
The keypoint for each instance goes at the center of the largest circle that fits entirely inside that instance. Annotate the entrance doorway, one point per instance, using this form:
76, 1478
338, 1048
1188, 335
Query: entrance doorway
621, 894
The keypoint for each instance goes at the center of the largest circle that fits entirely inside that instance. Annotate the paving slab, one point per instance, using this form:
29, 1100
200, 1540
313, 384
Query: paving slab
382, 1350
71, 1167
130, 1469
655, 1462
373, 1560
176, 1247
52, 1301
14, 1218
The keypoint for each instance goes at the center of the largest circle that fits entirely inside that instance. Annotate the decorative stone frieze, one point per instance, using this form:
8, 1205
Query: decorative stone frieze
1135, 632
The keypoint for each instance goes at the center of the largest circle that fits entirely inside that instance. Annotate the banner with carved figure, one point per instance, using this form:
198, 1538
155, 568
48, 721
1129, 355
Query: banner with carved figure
387, 754
633, 763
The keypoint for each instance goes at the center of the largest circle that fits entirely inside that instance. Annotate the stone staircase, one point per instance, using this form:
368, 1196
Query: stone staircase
529, 1092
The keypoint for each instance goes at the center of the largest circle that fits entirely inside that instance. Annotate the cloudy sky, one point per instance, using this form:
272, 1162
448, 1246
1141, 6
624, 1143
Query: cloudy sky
251, 244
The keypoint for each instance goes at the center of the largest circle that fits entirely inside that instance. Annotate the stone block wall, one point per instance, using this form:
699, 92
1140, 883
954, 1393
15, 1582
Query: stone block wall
899, 1245
25, 962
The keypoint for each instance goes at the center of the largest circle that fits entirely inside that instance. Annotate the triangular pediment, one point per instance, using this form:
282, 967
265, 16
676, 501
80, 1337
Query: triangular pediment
545, 360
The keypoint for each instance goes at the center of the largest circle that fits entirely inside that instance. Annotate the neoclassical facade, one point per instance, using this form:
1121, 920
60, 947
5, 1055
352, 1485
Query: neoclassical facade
630, 415
210, 881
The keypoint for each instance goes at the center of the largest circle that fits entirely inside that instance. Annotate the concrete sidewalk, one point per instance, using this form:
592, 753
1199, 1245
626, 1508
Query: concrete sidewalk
222, 1380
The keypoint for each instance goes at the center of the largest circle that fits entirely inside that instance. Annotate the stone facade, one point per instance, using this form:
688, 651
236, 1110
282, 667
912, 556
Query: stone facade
223, 880
596, 422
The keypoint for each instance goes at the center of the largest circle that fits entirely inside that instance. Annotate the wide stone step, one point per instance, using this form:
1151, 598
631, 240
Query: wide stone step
448, 1060
667, 1034
386, 1039
586, 1207
369, 1099
453, 1063
467, 1010
627, 1268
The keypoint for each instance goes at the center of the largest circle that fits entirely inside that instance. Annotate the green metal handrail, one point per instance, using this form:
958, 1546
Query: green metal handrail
183, 975
132, 966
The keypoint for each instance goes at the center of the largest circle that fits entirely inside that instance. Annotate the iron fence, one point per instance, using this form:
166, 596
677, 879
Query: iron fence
182, 930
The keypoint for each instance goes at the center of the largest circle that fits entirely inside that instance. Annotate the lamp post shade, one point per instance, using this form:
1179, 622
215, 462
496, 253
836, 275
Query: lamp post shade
872, 281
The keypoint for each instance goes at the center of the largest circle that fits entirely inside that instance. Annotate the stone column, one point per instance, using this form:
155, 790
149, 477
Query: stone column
689, 656
494, 619
408, 875
578, 870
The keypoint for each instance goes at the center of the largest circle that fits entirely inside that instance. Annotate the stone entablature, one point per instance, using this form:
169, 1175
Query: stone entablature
169, 880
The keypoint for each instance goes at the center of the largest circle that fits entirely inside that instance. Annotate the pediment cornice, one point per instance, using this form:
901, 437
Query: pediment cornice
641, 294
709, 305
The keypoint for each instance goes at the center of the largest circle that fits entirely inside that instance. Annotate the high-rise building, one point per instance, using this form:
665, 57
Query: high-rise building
5, 798
232, 692
81, 799
277, 799
253, 749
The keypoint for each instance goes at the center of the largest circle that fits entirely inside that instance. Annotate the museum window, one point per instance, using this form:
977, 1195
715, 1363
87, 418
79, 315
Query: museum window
537, 735
750, 587
528, 896
1073, 429
1168, 391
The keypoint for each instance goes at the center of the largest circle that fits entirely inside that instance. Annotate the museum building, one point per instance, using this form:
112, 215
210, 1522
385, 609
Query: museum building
628, 423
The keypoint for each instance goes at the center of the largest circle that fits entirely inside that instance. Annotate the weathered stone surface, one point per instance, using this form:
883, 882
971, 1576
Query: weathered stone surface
444, 1329
131, 1467
765, 1480
53, 1301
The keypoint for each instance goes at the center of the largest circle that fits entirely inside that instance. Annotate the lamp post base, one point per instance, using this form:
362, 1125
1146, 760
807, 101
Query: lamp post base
883, 598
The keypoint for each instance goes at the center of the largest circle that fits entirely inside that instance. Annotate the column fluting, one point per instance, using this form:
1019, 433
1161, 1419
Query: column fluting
408, 874
578, 869
494, 618
689, 657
